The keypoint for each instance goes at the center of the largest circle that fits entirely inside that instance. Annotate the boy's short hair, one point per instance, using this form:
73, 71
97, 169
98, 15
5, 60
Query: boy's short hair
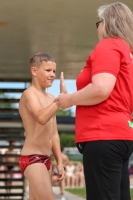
37, 59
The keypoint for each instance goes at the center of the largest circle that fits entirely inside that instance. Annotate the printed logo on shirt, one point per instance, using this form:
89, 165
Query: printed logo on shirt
130, 124
131, 56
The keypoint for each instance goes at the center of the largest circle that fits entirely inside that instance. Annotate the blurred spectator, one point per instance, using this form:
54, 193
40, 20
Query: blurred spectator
65, 161
65, 158
11, 160
79, 175
0, 161
131, 169
70, 176
54, 173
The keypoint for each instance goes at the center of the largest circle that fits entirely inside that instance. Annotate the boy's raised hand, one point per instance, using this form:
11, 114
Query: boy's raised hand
63, 89
63, 99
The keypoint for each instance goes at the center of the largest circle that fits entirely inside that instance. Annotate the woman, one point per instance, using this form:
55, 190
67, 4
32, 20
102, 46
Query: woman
104, 103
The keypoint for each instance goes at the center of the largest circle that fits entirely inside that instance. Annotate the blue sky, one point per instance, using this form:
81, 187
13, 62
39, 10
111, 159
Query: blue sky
54, 89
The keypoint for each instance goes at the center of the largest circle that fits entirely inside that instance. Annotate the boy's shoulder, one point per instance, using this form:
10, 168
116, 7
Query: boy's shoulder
28, 91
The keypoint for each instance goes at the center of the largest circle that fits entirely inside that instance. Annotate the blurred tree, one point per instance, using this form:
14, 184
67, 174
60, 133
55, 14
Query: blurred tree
6, 104
67, 140
64, 112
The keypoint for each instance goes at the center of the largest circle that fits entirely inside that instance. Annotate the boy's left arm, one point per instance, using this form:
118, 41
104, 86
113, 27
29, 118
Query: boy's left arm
56, 149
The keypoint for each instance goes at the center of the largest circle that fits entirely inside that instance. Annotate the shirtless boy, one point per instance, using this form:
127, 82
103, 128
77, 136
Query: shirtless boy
37, 109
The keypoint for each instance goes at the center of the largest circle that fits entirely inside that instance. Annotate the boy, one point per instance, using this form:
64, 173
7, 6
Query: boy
37, 110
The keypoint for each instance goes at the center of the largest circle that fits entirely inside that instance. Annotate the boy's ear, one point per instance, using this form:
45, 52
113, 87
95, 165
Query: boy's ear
33, 71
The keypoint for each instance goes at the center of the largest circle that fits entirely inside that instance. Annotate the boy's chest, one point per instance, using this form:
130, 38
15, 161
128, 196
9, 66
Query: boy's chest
44, 101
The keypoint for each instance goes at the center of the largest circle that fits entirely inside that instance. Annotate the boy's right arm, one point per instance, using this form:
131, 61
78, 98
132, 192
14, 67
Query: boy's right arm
41, 115
56, 149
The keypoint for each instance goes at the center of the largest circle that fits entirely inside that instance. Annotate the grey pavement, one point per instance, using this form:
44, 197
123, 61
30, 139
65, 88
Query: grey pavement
66, 196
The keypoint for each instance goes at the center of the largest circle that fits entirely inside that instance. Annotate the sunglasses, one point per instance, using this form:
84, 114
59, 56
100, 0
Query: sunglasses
97, 24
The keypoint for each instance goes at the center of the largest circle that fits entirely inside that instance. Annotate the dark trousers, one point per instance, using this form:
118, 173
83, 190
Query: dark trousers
106, 169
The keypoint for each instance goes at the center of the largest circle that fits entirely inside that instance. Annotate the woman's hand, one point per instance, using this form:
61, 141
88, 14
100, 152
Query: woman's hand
62, 84
64, 101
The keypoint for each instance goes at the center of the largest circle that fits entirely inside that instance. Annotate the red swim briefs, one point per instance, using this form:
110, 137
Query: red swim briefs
26, 160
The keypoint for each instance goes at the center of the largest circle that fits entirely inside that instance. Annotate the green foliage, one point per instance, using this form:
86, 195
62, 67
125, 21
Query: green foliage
6, 105
3, 95
76, 158
64, 112
67, 140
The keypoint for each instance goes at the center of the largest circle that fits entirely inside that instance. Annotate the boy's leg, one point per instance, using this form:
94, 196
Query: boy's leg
31, 195
50, 173
39, 181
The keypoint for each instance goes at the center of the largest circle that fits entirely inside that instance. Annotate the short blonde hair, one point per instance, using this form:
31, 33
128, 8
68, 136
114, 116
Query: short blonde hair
38, 58
118, 22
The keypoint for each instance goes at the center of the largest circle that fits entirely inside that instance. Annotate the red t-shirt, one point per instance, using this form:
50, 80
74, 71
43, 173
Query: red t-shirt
107, 120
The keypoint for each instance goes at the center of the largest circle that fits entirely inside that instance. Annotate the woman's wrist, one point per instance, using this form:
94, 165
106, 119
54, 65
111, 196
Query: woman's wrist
65, 101
71, 99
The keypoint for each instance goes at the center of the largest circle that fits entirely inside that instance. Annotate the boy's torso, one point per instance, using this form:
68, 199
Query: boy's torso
38, 137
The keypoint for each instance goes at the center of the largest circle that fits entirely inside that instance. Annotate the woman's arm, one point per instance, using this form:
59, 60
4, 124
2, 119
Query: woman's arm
94, 93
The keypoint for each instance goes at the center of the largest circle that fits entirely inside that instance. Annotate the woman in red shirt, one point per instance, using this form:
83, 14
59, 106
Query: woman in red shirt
104, 104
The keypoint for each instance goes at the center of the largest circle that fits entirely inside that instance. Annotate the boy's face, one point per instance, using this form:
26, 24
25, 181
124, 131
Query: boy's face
45, 74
